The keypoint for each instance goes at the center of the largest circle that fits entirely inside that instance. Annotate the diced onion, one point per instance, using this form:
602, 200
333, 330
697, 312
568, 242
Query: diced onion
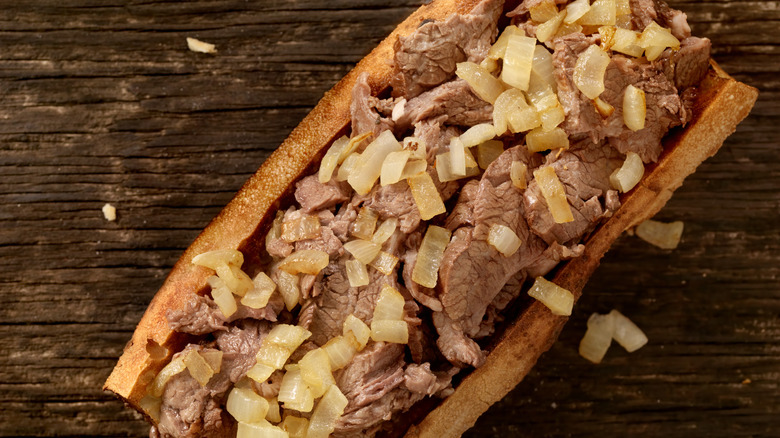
262, 429
331, 159
347, 167
287, 336
395, 331
294, 393
601, 13
357, 273
629, 174
498, 49
198, 367
426, 196
289, 289
559, 300
275, 232
274, 414
426, 269
622, 7
329, 409
416, 146
488, 151
660, 234
538, 140
627, 41
546, 30
384, 231
518, 174
598, 337
303, 228
478, 134
295, 426
358, 328
589, 71
518, 59
567, 29
509, 101
222, 296
365, 223
213, 358
655, 39
634, 108
389, 305
385, 263
219, 257
199, 46
273, 355
525, 119
315, 371
235, 279
607, 35
603, 107
414, 168
444, 168
307, 261
549, 108
503, 239
484, 84
393, 167
369, 166
543, 11
175, 366
260, 372
398, 109
554, 193
457, 157
340, 351
363, 250
151, 405
575, 10
258, 296
542, 67
626, 333
246, 406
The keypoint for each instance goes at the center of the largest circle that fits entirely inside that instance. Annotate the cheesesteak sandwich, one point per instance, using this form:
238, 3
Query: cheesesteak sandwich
418, 241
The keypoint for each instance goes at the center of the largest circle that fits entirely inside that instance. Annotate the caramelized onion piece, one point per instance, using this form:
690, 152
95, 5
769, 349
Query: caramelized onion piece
246, 406
363, 250
598, 337
484, 84
426, 269
316, 372
601, 13
634, 108
488, 151
358, 329
303, 228
503, 239
559, 300
329, 409
518, 60
660, 234
368, 167
294, 393
538, 140
426, 196
554, 193
478, 134
589, 71
626, 333
306, 261
629, 174
357, 273
518, 174
365, 223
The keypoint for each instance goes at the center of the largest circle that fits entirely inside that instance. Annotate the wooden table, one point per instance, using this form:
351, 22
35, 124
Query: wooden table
101, 102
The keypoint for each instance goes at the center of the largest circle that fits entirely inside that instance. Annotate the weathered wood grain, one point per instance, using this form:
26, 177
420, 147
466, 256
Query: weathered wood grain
101, 102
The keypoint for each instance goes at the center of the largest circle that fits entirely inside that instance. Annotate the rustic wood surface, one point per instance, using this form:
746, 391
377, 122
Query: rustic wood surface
100, 101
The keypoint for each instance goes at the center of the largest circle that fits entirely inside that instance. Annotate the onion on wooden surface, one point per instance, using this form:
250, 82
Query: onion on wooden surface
626, 333
597, 338
660, 234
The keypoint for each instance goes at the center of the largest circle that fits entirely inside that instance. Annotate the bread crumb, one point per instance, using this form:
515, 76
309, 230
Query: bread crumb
200, 46
747, 382
109, 212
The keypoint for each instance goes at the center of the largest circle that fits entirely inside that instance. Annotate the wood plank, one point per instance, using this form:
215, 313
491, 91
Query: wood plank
102, 102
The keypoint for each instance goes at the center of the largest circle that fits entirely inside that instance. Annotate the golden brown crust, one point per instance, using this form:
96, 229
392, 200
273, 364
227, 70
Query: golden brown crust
722, 104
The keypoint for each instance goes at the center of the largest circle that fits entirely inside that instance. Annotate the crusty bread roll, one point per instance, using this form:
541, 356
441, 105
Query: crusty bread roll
722, 103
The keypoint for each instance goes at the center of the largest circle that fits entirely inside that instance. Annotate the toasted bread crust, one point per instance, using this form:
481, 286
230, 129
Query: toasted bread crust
722, 104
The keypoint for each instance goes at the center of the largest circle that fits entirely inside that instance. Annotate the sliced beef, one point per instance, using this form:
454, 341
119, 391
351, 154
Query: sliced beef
419, 379
645, 12
584, 172
312, 195
428, 57
340, 224
552, 256
453, 103
436, 138
472, 271
365, 117
463, 212
493, 314
395, 200
239, 345
201, 315
664, 106
687, 66
372, 374
190, 410
326, 242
